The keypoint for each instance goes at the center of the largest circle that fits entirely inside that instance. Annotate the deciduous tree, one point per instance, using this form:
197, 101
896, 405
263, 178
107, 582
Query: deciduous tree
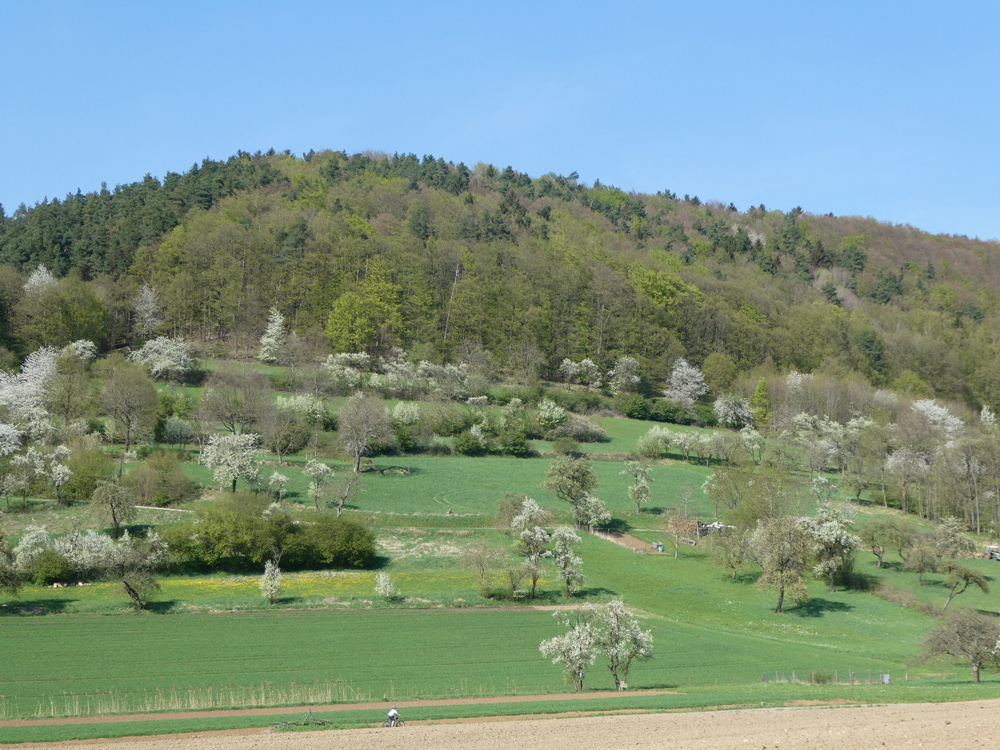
363, 424
970, 634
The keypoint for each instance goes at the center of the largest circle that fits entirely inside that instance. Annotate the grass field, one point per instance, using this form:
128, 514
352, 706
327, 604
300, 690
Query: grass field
210, 641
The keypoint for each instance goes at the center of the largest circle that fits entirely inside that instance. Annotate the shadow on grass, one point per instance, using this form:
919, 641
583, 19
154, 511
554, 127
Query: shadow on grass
617, 526
817, 607
161, 607
35, 608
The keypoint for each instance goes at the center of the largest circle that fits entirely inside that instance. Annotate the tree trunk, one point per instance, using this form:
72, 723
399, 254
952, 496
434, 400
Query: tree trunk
975, 673
133, 594
781, 598
832, 574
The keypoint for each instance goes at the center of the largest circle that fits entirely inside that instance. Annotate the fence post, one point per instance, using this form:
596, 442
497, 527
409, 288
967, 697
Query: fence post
851, 676
836, 676
776, 675
870, 677
761, 676
793, 675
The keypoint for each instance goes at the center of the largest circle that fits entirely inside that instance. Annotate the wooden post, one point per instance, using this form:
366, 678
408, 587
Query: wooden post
851, 676
836, 676
870, 677
793, 675
761, 676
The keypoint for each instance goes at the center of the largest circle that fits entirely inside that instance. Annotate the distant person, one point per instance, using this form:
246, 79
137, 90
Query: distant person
393, 716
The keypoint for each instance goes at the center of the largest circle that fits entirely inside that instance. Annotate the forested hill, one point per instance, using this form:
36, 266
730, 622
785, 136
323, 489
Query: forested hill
372, 251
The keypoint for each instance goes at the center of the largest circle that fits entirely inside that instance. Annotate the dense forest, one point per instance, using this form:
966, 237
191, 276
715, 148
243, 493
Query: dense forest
502, 271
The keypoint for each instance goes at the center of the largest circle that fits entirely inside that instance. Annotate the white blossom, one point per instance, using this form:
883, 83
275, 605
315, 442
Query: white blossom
146, 306
40, 278
274, 334
733, 411
164, 357
406, 413
82, 348
270, 582
624, 376
686, 384
550, 414
384, 586
939, 416
232, 457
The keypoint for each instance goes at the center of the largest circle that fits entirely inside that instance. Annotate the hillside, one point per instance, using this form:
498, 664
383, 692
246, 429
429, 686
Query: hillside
371, 251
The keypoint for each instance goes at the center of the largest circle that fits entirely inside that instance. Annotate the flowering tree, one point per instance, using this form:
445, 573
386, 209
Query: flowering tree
568, 563
532, 538
232, 457
273, 338
270, 582
24, 393
40, 278
639, 489
276, 484
733, 411
575, 651
319, 474
384, 586
833, 541
621, 639
146, 306
686, 384
165, 357
624, 376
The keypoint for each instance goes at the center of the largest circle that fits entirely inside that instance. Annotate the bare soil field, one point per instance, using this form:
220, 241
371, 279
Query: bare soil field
939, 725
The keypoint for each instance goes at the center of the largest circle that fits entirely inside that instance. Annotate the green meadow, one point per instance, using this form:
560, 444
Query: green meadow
210, 641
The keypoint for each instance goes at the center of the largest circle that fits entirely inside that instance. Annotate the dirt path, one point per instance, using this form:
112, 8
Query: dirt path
629, 541
945, 725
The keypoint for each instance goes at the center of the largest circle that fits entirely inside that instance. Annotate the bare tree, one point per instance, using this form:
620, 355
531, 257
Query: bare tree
238, 398
130, 399
113, 504
363, 424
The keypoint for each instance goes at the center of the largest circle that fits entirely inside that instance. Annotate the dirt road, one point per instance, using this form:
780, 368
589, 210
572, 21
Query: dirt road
944, 725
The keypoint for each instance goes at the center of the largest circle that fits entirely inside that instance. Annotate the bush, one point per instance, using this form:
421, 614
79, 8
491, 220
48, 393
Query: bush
466, 444
634, 406
580, 429
665, 410
566, 446
340, 543
50, 567
705, 415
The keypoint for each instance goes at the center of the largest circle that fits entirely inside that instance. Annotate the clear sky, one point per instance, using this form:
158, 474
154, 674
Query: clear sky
882, 109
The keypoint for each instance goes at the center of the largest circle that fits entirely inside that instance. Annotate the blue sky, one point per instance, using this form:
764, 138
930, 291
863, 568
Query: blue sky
882, 109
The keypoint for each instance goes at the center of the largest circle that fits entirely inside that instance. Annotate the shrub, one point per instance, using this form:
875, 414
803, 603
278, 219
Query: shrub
665, 410
565, 446
50, 567
633, 406
467, 444
341, 542
705, 415
580, 429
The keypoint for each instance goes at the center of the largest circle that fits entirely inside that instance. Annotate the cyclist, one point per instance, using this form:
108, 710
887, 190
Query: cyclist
393, 716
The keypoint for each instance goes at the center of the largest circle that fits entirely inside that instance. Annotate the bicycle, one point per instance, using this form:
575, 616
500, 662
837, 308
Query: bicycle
396, 723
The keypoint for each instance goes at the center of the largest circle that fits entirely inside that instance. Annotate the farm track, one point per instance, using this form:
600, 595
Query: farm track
897, 726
